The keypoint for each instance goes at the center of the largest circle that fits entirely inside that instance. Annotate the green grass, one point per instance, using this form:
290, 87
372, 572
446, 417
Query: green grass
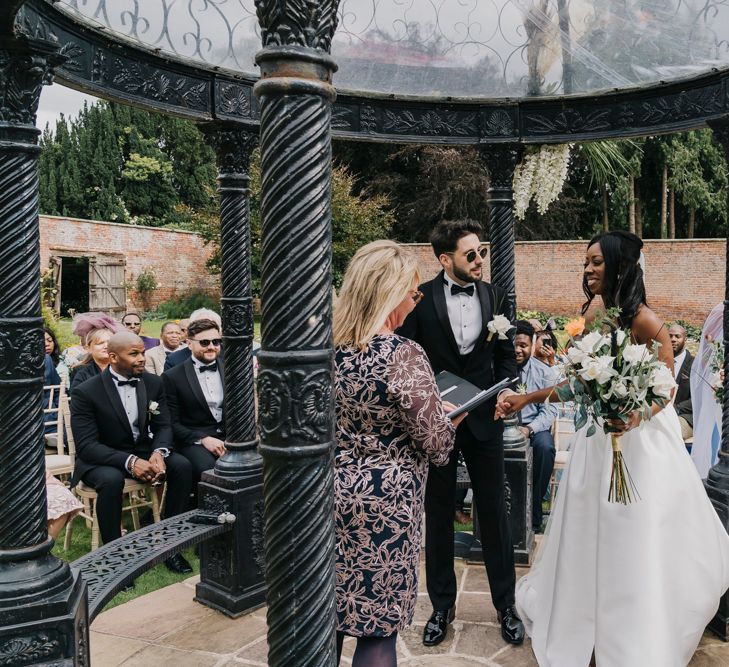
152, 580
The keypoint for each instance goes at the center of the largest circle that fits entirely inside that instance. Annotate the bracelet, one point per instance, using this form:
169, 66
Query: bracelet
133, 460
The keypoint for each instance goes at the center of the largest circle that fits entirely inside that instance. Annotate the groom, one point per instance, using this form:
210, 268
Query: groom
450, 323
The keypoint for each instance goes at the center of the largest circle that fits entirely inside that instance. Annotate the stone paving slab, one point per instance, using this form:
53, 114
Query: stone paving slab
167, 628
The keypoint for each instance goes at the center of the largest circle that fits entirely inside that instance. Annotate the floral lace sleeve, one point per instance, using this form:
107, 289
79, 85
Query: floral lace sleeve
412, 386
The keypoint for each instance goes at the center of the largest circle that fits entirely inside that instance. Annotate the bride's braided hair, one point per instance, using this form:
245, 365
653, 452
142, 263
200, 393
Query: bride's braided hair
623, 285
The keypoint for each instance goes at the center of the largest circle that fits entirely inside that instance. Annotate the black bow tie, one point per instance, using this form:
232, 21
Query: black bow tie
211, 367
124, 383
457, 289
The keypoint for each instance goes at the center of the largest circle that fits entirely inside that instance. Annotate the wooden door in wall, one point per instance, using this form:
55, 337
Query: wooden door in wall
107, 287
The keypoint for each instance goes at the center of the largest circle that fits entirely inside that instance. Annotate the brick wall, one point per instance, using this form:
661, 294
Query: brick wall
176, 258
684, 278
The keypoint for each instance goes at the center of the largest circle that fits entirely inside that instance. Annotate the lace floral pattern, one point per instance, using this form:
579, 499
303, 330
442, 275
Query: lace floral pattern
60, 500
390, 424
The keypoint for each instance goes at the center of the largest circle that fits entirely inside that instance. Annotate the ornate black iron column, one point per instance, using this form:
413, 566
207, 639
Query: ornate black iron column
717, 482
295, 380
42, 604
501, 161
232, 565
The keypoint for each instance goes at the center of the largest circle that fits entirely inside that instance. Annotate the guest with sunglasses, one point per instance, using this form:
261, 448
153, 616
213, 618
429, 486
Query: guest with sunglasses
451, 325
194, 392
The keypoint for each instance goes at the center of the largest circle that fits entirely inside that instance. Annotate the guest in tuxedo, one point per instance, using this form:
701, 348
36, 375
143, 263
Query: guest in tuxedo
182, 355
155, 357
133, 322
96, 359
450, 323
536, 420
390, 422
682, 362
194, 392
183, 324
122, 430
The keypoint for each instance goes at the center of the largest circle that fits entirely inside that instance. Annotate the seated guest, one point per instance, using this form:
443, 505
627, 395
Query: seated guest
54, 351
122, 430
96, 359
133, 322
50, 378
170, 336
194, 392
682, 362
390, 423
82, 325
545, 347
536, 420
183, 324
184, 354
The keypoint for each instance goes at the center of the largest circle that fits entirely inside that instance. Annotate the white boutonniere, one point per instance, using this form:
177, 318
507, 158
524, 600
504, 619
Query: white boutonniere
521, 388
153, 408
499, 325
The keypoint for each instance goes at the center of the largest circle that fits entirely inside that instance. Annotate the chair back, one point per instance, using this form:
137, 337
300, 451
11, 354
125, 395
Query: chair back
52, 411
65, 406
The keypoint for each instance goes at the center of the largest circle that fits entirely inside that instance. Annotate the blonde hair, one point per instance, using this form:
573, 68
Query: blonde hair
93, 337
378, 278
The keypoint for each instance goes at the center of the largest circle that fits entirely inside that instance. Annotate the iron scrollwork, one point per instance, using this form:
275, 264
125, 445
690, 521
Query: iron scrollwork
30, 649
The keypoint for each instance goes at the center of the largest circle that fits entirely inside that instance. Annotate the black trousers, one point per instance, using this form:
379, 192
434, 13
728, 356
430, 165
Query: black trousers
201, 460
109, 485
485, 463
543, 463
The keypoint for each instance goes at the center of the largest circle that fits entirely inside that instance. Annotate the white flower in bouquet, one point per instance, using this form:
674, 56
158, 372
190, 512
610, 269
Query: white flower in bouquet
662, 382
592, 342
635, 353
499, 325
576, 356
599, 369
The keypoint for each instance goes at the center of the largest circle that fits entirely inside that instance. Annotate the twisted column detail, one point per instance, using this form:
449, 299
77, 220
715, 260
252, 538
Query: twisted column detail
295, 411
501, 161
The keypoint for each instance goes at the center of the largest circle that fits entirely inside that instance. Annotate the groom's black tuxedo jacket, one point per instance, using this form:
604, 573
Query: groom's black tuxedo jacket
101, 429
488, 363
189, 411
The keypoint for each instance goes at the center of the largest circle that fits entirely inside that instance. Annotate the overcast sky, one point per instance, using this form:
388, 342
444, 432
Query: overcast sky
57, 99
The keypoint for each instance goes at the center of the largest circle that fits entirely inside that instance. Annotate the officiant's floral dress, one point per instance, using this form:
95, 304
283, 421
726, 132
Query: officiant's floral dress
390, 424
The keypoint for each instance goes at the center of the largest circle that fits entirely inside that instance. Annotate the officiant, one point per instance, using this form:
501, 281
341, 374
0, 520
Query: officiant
461, 325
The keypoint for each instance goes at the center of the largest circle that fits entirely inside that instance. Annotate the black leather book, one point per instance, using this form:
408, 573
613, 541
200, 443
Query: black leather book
465, 395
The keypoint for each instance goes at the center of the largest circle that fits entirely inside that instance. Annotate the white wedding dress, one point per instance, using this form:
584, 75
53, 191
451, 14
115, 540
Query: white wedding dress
637, 582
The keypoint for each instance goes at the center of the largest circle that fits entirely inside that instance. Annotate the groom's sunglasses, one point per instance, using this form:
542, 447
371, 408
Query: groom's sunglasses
471, 254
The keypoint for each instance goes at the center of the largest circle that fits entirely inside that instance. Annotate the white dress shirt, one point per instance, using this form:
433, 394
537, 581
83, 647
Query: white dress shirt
212, 388
464, 313
128, 396
678, 362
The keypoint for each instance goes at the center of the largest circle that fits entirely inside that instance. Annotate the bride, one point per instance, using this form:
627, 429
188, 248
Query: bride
636, 584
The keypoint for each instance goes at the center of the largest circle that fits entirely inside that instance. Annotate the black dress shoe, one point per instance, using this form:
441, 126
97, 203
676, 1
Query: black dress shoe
512, 629
437, 627
178, 564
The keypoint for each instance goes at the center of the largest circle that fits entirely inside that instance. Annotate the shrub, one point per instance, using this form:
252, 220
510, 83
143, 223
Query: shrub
181, 307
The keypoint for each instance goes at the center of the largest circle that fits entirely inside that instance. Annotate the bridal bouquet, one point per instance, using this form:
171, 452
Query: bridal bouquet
607, 378
716, 367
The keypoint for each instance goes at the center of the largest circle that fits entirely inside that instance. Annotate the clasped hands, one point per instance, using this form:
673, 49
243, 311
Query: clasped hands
149, 471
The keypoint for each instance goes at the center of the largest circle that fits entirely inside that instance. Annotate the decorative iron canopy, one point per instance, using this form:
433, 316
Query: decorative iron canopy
435, 71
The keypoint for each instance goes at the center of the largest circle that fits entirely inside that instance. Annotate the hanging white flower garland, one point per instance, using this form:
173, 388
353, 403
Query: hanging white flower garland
541, 174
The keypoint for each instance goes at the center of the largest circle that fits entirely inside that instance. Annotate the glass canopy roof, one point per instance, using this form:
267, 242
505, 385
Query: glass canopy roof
483, 49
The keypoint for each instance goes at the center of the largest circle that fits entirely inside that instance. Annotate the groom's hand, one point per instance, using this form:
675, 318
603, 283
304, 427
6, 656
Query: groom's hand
503, 404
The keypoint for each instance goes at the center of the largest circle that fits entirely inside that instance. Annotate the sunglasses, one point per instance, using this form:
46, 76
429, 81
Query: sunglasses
417, 297
207, 342
132, 324
471, 254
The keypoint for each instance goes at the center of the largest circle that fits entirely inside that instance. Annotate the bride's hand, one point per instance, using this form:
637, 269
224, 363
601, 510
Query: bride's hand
450, 407
508, 404
620, 427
